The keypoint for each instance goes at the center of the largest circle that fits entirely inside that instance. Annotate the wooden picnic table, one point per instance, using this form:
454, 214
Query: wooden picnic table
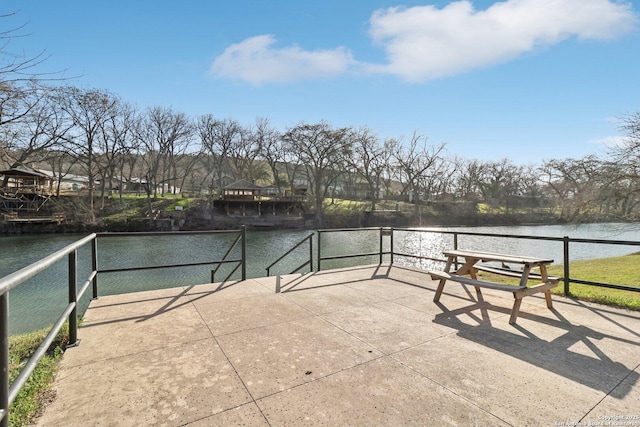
474, 261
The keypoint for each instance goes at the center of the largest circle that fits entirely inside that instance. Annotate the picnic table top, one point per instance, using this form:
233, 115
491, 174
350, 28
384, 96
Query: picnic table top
492, 256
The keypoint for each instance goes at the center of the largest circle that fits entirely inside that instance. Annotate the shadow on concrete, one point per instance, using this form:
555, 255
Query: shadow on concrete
597, 370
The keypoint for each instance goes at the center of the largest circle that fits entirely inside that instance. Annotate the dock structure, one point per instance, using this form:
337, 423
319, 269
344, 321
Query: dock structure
356, 346
24, 194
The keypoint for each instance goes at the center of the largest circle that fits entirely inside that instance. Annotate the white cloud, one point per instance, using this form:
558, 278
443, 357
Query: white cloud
257, 61
424, 42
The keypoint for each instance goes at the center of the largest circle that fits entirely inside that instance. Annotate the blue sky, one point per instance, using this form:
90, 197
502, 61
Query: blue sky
529, 80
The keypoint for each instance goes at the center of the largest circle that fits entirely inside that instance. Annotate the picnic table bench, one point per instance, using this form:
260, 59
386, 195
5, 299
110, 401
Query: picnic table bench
475, 261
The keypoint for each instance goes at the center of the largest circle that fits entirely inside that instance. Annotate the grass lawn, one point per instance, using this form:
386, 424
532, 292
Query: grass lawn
34, 394
623, 270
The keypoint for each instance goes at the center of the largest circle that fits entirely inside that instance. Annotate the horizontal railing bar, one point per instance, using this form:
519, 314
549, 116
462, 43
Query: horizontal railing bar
329, 258
162, 233
22, 378
522, 236
331, 230
471, 233
156, 267
16, 278
419, 257
605, 285
607, 242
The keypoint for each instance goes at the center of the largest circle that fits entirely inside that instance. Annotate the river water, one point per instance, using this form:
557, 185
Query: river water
38, 302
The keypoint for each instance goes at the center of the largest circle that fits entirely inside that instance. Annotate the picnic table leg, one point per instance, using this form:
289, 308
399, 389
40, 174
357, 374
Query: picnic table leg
447, 268
547, 293
516, 309
468, 267
547, 297
438, 294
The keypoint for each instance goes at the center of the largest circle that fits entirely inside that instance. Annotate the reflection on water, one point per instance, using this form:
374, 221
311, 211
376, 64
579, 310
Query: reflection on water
39, 302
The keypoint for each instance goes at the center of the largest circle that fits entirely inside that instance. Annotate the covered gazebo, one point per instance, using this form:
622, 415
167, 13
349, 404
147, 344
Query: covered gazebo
23, 191
241, 190
25, 180
242, 196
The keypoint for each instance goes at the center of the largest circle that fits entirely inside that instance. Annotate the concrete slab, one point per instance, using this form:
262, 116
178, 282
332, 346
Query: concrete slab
382, 392
208, 293
501, 380
167, 321
275, 358
328, 299
226, 317
347, 347
621, 407
248, 415
147, 388
387, 326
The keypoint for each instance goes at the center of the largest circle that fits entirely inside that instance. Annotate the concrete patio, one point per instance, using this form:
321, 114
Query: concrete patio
358, 346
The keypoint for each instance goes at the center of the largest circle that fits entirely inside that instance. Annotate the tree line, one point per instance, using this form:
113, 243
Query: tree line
96, 133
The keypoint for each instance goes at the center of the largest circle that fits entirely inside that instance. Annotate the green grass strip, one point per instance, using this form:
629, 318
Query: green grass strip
37, 390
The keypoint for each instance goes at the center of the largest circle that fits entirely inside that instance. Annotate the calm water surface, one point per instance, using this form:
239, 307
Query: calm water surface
39, 302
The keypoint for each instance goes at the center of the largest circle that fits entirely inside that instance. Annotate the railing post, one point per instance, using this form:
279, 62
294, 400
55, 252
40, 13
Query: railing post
94, 265
565, 241
381, 235
455, 247
311, 252
278, 284
4, 358
244, 252
391, 243
319, 251
73, 298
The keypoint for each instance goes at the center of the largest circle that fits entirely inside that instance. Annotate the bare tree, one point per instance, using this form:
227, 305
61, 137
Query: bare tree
41, 130
243, 152
22, 83
271, 148
369, 160
321, 149
166, 135
88, 109
469, 173
217, 138
116, 143
414, 161
574, 183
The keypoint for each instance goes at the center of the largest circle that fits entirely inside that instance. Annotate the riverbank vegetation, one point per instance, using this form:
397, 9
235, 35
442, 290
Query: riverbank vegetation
112, 151
37, 390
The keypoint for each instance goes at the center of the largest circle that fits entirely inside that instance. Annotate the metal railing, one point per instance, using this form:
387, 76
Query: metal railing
308, 262
380, 253
240, 262
566, 241
70, 313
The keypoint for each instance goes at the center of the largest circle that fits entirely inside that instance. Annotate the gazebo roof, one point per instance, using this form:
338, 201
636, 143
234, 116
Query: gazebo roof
243, 184
23, 172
